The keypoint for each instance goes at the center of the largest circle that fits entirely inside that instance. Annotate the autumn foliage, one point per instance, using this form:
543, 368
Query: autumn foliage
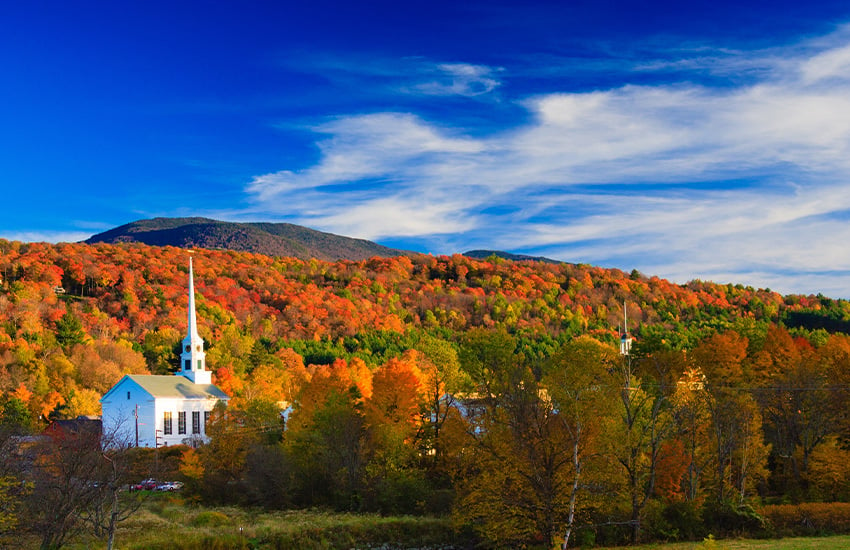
490, 389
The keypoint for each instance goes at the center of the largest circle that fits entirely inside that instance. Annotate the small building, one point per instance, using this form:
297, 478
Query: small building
157, 410
76, 427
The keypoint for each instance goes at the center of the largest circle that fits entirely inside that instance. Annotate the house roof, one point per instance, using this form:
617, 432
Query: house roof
175, 386
77, 425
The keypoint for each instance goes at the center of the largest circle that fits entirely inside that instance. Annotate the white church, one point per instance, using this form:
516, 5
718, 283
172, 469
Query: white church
159, 410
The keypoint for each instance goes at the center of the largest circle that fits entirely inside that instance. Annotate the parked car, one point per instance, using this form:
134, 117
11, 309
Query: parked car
170, 486
145, 485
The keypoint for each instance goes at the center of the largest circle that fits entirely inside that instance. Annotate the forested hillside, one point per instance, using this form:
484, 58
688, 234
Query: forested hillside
731, 393
136, 294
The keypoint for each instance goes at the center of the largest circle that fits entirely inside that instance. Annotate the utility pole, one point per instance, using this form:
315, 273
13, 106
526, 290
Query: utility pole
136, 414
156, 452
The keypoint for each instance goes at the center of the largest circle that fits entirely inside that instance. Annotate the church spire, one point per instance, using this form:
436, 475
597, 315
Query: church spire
193, 318
625, 338
193, 359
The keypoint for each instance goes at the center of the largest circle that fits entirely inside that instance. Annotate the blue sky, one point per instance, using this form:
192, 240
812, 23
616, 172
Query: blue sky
687, 140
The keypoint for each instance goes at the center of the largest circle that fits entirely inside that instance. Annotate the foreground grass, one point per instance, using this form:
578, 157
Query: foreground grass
796, 543
165, 522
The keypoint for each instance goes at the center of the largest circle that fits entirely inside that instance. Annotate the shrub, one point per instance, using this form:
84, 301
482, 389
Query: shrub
731, 519
674, 521
219, 530
399, 492
210, 518
812, 518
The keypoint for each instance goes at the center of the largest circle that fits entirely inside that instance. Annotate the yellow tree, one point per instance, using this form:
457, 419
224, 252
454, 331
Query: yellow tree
395, 401
694, 421
829, 471
192, 469
798, 403
834, 357
83, 401
225, 454
645, 423
579, 384
530, 441
748, 460
296, 373
720, 359
441, 379
515, 487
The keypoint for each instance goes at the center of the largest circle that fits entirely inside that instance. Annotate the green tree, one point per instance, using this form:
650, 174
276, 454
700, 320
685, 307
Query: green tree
161, 348
487, 356
69, 330
15, 417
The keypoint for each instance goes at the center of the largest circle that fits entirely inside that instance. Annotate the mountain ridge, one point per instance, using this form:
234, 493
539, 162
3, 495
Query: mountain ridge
479, 254
268, 238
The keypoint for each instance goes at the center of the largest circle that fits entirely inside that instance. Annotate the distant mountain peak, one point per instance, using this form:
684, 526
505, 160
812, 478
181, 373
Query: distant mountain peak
271, 239
484, 254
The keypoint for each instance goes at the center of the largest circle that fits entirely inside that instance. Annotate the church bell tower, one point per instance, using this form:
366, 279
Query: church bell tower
193, 363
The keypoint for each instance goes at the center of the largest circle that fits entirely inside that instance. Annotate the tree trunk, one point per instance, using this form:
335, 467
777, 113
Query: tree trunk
572, 514
113, 521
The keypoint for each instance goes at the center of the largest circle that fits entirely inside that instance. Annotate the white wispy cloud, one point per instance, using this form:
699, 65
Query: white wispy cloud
45, 236
459, 79
415, 76
744, 183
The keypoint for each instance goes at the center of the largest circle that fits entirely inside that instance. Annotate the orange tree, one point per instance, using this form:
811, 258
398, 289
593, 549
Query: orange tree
324, 440
394, 482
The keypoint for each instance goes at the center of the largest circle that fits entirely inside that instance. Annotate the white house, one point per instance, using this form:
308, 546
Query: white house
157, 410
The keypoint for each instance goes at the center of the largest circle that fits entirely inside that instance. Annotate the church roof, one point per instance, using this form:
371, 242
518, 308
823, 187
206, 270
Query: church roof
175, 386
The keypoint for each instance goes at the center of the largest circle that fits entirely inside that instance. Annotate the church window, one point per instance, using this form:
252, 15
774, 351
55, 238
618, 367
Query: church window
200, 365
128, 395
181, 422
166, 423
187, 364
206, 419
196, 422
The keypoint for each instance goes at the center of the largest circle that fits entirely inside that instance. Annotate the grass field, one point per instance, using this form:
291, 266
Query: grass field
796, 543
166, 522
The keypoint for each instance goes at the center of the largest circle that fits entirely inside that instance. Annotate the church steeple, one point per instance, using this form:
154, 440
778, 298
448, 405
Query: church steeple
193, 364
625, 338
